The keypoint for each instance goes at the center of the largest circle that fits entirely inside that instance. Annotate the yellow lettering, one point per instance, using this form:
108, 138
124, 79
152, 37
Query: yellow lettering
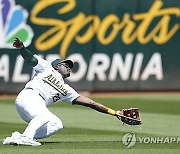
164, 35
147, 19
105, 25
91, 31
141, 26
76, 26
129, 35
54, 35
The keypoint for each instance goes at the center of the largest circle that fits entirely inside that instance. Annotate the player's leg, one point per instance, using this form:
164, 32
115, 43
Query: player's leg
48, 129
26, 107
42, 122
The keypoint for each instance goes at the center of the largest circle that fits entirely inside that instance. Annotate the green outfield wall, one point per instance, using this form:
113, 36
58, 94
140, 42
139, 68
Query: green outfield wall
116, 45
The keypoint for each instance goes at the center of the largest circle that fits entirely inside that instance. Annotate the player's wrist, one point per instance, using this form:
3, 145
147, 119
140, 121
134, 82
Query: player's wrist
111, 111
21, 47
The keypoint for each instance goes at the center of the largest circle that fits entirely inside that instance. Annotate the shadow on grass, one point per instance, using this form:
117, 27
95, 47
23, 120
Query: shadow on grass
106, 145
79, 142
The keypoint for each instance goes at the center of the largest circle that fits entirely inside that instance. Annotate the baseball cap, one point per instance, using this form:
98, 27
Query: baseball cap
58, 61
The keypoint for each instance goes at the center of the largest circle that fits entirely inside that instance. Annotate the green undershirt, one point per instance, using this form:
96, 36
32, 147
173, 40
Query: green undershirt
28, 57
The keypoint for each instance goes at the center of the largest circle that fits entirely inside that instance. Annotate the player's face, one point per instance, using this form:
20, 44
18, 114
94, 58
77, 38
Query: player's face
63, 69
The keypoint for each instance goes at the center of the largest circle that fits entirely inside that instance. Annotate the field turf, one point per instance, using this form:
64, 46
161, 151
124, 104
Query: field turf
89, 132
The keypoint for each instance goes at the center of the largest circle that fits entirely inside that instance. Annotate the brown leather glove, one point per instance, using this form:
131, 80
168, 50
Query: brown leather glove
129, 116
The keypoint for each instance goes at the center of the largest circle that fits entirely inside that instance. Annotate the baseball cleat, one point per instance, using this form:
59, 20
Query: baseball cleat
7, 141
19, 139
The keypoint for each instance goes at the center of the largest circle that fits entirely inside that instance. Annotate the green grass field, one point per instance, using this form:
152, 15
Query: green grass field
89, 132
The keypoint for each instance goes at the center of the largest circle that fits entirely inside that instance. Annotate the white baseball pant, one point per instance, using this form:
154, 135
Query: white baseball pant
32, 109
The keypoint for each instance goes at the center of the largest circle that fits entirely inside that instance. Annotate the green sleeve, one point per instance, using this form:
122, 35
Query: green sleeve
28, 57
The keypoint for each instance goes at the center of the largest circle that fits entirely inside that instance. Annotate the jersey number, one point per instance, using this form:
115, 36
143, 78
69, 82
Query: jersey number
56, 97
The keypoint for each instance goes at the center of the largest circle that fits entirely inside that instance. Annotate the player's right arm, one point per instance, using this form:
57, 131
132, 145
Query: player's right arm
85, 101
26, 54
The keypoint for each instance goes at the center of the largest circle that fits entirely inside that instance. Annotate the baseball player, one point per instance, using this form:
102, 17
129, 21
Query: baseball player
46, 88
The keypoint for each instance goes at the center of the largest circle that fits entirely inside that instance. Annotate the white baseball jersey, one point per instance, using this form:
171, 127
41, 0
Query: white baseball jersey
50, 84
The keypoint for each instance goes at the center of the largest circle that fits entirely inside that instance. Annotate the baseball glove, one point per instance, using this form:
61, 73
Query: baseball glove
129, 116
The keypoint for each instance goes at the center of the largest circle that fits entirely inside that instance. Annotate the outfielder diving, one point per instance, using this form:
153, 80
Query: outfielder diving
46, 88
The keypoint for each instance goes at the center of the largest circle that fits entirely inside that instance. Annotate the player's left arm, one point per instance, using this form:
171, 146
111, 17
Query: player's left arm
26, 54
85, 101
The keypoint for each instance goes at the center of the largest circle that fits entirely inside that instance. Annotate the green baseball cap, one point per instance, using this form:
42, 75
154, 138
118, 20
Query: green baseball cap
59, 61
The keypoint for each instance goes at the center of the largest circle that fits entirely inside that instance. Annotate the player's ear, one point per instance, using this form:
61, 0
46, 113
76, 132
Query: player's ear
55, 67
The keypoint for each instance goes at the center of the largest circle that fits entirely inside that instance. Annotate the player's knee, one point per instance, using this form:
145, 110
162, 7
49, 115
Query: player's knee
57, 124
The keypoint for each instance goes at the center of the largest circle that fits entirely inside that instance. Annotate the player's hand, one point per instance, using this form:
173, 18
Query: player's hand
118, 113
18, 44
